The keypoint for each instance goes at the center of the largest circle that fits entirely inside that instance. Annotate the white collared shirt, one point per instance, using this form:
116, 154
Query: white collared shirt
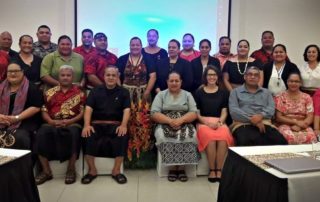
310, 77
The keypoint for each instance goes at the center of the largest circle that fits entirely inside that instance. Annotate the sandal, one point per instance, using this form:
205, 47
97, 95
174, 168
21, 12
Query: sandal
182, 176
172, 175
218, 178
42, 178
119, 178
70, 177
212, 179
87, 179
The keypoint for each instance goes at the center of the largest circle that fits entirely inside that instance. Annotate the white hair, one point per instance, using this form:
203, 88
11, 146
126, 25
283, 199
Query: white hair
66, 67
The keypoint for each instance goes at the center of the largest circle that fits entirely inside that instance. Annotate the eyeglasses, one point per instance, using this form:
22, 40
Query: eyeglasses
14, 71
209, 75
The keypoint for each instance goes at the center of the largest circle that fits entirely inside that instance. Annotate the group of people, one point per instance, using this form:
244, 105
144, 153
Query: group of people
197, 102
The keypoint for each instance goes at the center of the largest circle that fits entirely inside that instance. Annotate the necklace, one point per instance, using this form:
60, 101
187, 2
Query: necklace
131, 61
279, 73
245, 68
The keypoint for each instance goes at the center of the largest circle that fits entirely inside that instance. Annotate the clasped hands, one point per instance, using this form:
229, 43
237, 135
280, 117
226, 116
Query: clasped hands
256, 120
7, 120
299, 125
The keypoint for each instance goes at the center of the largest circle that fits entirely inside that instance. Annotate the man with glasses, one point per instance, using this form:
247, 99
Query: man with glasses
251, 108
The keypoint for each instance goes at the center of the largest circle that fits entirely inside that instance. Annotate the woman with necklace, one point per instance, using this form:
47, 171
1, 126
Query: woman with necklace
294, 112
200, 63
153, 50
213, 134
137, 74
276, 73
29, 62
310, 70
234, 69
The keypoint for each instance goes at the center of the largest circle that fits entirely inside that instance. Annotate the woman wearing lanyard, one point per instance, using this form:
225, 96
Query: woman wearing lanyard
277, 72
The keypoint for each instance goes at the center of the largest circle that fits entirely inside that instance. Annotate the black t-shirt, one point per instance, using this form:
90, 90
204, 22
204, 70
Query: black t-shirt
211, 104
108, 104
235, 76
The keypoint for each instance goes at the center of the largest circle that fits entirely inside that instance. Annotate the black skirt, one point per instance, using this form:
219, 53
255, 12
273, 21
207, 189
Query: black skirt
58, 143
105, 142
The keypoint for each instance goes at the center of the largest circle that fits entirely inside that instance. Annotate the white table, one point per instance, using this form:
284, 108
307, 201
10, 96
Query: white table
303, 187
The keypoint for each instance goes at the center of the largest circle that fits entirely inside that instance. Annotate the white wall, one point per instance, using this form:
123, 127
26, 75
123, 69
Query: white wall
295, 23
24, 17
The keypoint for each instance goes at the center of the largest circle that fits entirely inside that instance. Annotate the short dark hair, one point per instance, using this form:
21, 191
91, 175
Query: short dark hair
14, 61
251, 68
205, 74
174, 72
280, 45
100, 35
150, 30
44, 26
294, 73
175, 41
224, 37
64, 37
306, 50
188, 34
205, 40
136, 38
25, 35
267, 32
245, 40
87, 30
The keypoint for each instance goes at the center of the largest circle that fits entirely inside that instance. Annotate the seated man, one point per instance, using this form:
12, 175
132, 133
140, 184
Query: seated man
105, 125
59, 137
251, 108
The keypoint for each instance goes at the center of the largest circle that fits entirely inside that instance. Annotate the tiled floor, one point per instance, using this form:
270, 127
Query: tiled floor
142, 186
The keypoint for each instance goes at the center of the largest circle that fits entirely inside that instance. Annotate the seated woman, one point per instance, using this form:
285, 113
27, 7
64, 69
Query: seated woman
310, 70
20, 102
294, 112
276, 72
29, 63
213, 135
174, 109
188, 52
235, 68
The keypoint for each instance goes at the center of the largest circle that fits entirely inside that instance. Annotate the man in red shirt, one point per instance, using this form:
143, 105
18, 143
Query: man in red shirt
97, 62
87, 47
264, 54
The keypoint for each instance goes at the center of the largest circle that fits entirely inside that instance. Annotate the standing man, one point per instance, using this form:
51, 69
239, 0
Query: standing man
106, 117
86, 48
44, 46
5, 44
224, 50
264, 54
97, 62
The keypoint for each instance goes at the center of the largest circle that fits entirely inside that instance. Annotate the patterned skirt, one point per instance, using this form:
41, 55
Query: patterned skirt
177, 147
305, 136
141, 143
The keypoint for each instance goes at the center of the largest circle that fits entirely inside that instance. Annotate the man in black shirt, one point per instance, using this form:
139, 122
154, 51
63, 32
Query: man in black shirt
106, 117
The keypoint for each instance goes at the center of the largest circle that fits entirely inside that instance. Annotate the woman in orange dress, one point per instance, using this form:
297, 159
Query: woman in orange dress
213, 134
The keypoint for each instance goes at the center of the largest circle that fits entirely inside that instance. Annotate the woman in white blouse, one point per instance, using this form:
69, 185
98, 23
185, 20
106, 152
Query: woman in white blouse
310, 70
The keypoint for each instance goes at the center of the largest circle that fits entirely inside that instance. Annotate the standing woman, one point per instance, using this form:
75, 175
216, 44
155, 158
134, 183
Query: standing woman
188, 53
153, 50
29, 62
213, 134
200, 63
235, 68
276, 73
310, 70
138, 76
